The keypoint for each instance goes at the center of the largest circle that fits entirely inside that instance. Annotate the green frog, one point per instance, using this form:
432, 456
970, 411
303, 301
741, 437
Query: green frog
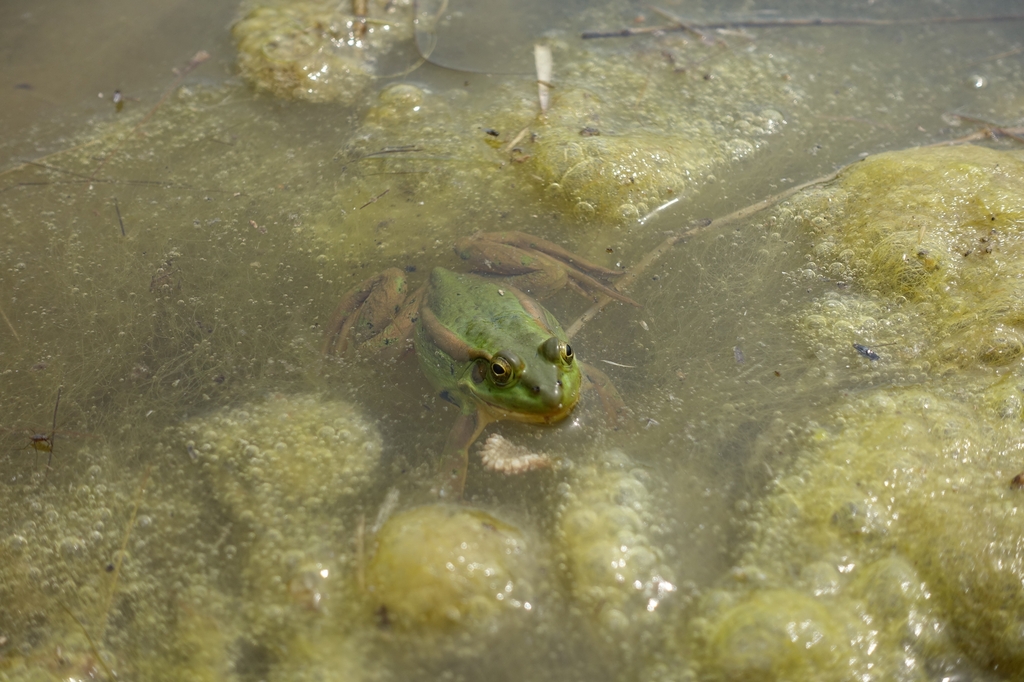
485, 344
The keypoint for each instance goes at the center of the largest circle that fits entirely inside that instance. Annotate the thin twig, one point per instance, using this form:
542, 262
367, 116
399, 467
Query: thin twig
111, 181
92, 642
375, 198
1001, 55
53, 428
120, 222
783, 23
634, 272
391, 150
687, 26
11, 326
361, 553
515, 140
991, 129
37, 161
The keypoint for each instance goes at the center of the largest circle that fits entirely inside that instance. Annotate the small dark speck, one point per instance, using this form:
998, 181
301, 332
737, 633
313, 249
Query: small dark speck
590, 131
410, 268
109, 568
492, 132
703, 222
655, 278
219, 379
23, 86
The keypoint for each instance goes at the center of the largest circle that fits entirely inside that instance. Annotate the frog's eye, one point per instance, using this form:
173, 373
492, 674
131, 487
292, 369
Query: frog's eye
504, 368
555, 351
501, 371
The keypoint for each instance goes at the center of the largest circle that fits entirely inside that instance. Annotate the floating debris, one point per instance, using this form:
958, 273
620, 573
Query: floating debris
501, 455
866, 352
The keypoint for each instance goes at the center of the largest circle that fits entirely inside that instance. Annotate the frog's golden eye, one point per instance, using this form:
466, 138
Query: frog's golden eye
557, 351
501, 371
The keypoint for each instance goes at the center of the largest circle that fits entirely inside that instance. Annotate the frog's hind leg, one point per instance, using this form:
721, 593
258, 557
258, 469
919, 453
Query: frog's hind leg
538, 266
377, 312
613, 404
455, 458
531, 243
587, 286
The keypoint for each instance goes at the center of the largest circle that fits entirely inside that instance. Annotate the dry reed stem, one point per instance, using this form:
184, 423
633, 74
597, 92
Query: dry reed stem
542, 60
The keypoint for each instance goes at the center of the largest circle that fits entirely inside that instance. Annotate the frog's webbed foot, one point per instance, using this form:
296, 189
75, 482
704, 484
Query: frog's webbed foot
543, 265
377, 314
613, 404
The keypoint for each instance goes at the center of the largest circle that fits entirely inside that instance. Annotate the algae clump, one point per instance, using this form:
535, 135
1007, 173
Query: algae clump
937, 235
281, 467
313, 51
438, 567
778, 635
614, 149
895, 508
607, 151
615, 569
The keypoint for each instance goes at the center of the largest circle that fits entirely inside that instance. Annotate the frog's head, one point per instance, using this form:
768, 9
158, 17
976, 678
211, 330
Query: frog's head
543, 387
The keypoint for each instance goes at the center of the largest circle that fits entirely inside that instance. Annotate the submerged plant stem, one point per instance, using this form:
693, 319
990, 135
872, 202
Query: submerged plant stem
120, 554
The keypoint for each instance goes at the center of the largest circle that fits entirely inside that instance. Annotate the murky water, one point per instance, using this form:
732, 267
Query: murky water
168, 270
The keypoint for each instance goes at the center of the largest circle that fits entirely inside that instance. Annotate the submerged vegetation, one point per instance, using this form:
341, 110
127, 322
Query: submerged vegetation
818, 472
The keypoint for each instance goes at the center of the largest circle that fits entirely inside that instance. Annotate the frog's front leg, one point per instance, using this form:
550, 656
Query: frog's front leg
455, 457
377, 314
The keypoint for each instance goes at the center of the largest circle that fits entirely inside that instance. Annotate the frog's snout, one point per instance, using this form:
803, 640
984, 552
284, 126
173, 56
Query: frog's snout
551, 396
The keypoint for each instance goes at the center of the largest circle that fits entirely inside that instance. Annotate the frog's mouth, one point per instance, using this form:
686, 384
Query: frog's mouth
550, 415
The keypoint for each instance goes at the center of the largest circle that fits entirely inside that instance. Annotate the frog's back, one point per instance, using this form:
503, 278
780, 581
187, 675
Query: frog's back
486, 314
